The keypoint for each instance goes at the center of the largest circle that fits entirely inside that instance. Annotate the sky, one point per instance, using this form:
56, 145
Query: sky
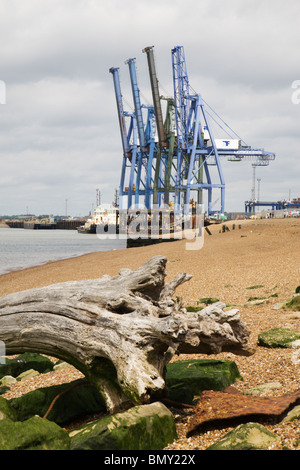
59, 132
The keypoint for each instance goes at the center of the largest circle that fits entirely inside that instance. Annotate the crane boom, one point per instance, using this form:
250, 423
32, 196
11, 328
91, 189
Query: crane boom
156, 96
181, 94
137, 102
121, 114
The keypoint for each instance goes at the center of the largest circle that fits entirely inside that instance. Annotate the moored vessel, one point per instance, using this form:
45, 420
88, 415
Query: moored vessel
104, 219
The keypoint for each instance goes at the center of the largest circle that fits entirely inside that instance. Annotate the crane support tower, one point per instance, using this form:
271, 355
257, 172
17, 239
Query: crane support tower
168, 160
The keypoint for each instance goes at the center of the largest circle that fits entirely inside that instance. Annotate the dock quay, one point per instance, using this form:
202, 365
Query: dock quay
69, 224
42, 225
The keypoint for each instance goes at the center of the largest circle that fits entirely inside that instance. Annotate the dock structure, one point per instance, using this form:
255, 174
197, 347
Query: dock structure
250, 206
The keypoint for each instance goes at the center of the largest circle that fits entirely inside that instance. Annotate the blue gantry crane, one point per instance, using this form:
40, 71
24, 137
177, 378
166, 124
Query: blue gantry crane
168, 160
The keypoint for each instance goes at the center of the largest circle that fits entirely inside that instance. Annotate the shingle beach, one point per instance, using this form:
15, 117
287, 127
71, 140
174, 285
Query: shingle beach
256, 253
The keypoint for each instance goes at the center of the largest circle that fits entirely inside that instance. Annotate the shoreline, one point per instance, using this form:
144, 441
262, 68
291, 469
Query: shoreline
239, 255
44, 263
83, 266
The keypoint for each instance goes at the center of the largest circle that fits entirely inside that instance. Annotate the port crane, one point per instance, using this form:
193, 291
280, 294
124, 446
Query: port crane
168, 160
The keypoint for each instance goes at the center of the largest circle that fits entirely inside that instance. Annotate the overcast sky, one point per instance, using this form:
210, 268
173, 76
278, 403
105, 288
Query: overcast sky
59, 132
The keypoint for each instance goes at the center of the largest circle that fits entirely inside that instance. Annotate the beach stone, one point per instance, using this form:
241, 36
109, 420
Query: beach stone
76, 399
188, 378
250, 436
290, 304
28, 374
293, 414
24, 362
6, 410
294, 303
61, 365
278, 338
279, 305
7, 380
145, 427
292, 316
254, 303
263, 389
34, 434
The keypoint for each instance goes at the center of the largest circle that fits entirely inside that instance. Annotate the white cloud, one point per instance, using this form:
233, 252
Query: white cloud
59, 133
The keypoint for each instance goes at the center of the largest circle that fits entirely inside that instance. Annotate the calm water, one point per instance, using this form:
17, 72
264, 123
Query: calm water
21, 248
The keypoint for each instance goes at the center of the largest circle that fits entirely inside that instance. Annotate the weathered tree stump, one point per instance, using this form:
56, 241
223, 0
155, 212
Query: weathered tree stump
120, 331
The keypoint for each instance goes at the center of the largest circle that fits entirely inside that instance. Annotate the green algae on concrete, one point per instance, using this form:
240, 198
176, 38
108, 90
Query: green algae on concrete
144, 427
278, 338
34, 434
293, 304
201, 374
6, 410
250, 436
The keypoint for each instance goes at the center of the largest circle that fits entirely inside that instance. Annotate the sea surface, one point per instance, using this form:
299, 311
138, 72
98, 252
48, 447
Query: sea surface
23, 248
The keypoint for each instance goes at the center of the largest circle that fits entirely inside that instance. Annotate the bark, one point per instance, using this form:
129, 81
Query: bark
119, 331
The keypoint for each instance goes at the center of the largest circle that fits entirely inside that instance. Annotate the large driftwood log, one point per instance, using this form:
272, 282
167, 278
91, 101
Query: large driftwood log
119, 331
